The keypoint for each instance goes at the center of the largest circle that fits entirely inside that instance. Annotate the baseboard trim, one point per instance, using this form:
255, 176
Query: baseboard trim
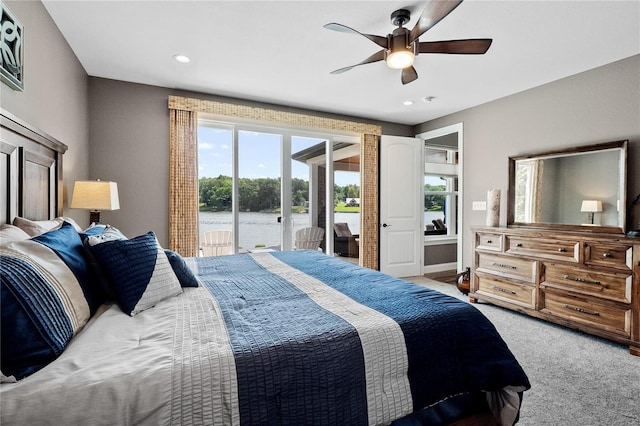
440, 267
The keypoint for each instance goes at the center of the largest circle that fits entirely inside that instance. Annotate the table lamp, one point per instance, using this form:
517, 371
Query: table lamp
591, 207
95, 195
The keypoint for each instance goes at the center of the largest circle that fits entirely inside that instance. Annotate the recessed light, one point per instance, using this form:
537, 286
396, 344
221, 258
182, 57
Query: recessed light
183, 59
407, 103
428, 99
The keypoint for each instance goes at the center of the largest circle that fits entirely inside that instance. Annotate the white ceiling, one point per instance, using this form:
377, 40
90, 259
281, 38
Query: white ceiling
279, 52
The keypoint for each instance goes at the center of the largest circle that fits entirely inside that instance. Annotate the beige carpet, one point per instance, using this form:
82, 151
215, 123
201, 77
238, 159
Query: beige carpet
576, 379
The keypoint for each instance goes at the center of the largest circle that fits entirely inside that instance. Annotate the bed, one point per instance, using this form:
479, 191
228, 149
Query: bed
293, 338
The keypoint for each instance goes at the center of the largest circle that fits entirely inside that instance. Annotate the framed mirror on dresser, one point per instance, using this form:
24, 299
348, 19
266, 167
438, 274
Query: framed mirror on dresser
564, 256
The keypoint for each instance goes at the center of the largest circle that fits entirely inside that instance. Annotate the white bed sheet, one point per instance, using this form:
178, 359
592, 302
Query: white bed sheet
125, 369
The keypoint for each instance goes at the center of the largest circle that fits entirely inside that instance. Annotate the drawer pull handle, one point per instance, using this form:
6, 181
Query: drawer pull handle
519, 245
489, 241
606, 255
503, 290
562, 250
582, 311
581, 280
502, 265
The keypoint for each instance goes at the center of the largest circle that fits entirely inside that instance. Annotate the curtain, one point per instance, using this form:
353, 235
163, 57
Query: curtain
183, 195
536, 190
183, 183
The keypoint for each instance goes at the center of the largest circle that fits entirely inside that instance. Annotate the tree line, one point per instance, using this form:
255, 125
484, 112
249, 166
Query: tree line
261, 194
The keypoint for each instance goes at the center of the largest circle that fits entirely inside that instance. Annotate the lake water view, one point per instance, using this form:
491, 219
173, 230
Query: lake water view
263, 228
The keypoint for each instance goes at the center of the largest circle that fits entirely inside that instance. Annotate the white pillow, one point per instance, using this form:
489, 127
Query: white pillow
10, 233
110, 233
36, 227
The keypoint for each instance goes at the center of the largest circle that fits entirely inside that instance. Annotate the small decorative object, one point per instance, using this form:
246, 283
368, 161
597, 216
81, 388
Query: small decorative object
634, 232
463, 281
493, 207
11, 44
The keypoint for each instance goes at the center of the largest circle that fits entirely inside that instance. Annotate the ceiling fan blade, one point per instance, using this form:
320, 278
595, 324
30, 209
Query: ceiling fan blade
431, 15
378, 56
408, 75
476, 46
380, 41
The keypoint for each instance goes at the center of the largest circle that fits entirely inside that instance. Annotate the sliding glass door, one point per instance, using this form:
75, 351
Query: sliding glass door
259, 187
264, 184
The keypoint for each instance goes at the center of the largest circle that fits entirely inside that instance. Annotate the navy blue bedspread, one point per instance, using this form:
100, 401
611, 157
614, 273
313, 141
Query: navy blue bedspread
298, 363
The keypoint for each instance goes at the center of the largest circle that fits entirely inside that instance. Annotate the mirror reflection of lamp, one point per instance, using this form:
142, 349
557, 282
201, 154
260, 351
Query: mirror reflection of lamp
591, 207
95, 195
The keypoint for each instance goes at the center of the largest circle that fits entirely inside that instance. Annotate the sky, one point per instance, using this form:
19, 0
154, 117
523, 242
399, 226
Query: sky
259, 155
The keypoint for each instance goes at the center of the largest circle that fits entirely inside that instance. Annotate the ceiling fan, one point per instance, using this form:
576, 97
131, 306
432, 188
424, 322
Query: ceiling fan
400, 48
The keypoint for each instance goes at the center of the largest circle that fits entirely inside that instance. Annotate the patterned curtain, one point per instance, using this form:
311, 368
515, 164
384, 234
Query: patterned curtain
183, 183
369, 201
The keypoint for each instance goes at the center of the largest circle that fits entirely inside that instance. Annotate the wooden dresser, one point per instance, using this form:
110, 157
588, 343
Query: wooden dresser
590, 282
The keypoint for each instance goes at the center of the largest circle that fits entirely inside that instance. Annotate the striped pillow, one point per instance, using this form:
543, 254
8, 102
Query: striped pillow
43, 306
138, 271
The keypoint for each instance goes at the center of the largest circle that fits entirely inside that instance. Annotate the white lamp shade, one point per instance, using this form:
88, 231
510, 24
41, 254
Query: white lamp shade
95, 195
591, 206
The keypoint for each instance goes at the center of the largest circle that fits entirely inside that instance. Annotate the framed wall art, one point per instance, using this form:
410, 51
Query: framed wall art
12, 49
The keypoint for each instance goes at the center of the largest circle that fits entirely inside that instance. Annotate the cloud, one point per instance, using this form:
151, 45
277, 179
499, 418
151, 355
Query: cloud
206, 145
261, 166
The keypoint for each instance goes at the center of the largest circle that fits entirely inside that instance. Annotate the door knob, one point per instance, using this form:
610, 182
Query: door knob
384, 225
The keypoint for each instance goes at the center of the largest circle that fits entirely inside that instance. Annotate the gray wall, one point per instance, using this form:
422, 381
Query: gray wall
130, 145
438, 254
55, 96
599, 105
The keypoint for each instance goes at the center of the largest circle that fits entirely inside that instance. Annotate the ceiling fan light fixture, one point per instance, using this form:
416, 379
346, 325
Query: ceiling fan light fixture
400, 59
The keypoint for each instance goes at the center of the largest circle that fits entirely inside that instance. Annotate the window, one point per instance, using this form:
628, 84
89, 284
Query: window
265, 183
441, 191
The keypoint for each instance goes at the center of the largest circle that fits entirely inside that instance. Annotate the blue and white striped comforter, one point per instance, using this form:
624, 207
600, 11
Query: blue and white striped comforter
291, 338
320, 341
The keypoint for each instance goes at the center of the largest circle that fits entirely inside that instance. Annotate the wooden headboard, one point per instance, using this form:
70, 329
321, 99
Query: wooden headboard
30, 171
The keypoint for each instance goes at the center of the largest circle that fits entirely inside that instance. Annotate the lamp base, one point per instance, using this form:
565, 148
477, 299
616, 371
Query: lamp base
94, 216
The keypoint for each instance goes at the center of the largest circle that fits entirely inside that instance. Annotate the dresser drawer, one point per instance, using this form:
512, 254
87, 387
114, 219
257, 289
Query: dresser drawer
566, 250
588, 311
489, 241
609, 285
609, 255
510, 267
518, 294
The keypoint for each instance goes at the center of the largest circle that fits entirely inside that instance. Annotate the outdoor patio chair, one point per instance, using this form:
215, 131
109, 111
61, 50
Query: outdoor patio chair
216, 243
344, 242
309, 238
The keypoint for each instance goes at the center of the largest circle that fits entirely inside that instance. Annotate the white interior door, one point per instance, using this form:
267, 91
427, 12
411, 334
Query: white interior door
401, 206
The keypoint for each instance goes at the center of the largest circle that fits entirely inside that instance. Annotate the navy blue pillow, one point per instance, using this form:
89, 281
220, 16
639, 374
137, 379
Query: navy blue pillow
94, 266
45, 299
183, 272
139, 272
67, 244
32, 336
